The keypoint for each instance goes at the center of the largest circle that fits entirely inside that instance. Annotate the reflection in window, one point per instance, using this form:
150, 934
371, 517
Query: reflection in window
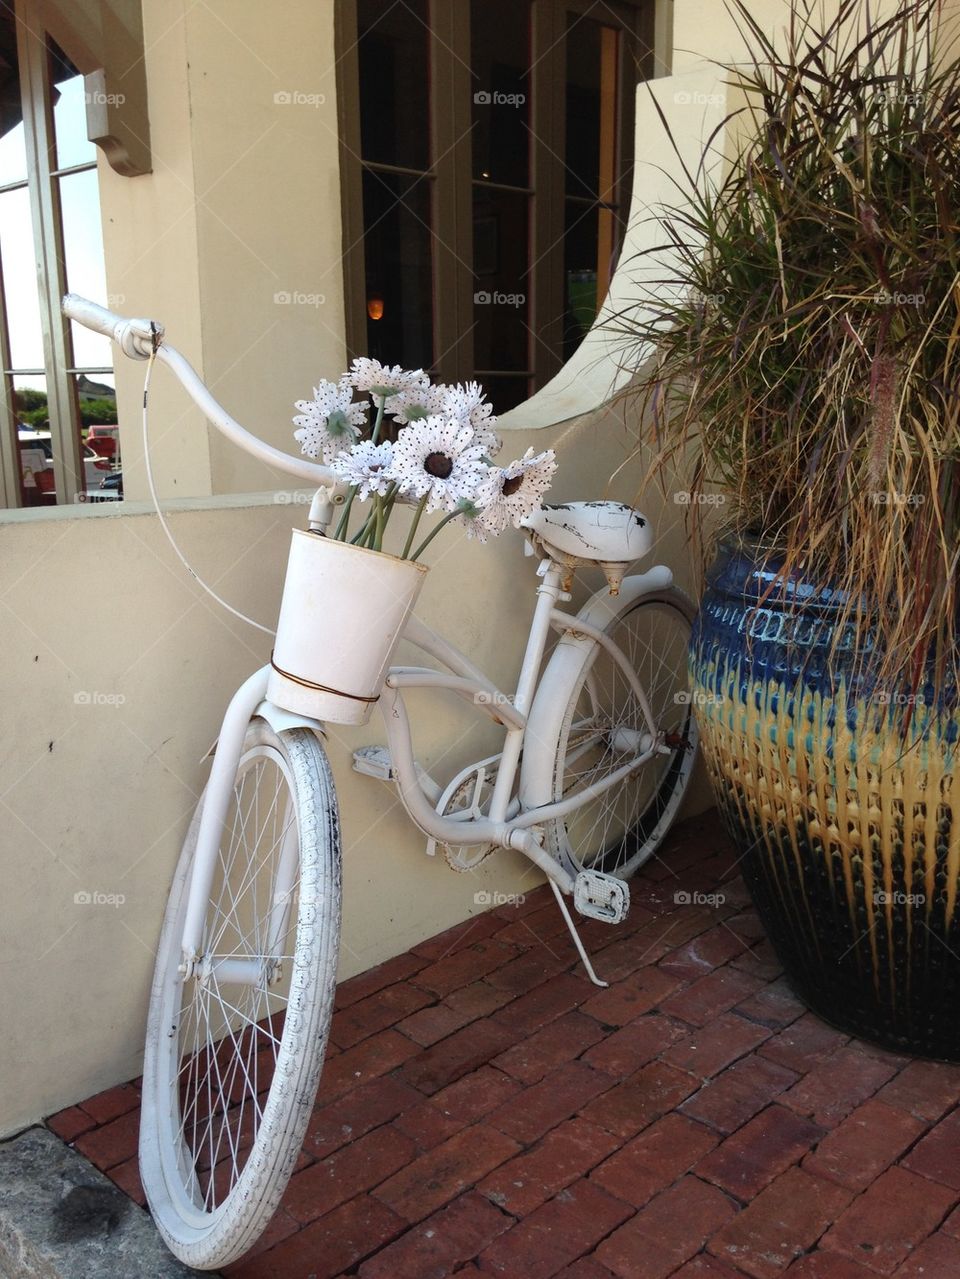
396, 211
60, 414
591, 173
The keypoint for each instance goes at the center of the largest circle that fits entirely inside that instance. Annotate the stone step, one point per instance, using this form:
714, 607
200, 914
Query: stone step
60, 1217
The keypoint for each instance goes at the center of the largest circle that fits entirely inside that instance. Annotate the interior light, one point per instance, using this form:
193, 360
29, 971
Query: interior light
375, 307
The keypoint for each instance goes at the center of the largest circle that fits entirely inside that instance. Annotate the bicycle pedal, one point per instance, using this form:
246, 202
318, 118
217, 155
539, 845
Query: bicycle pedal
600, 896
374, 761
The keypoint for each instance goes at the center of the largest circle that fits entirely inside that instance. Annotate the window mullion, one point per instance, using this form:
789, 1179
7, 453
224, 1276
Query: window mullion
450, 98
351, 180
48, 238
548, 141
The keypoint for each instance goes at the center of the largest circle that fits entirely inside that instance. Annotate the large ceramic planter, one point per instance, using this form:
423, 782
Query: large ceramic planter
342, 614
842, 802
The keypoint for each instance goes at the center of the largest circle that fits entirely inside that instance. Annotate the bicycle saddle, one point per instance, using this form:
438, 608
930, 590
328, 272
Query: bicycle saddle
609, 534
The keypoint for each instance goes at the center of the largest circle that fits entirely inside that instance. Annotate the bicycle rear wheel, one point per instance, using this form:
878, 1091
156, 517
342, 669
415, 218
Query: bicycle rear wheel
599, 731
234, 1051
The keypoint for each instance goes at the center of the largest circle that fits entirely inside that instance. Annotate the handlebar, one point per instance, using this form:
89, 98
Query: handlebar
139, 339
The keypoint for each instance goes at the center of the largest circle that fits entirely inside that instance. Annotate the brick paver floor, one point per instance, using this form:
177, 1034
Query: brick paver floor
484, 1110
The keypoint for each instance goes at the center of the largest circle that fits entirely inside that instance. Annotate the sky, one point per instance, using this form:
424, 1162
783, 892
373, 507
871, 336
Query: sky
83, 244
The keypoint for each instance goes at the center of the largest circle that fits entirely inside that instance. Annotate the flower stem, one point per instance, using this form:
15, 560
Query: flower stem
343, 522
432, 534
413, 527
361, 533
375, 434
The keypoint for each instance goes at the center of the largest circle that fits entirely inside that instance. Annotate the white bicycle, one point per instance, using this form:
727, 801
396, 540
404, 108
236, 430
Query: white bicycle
598, 749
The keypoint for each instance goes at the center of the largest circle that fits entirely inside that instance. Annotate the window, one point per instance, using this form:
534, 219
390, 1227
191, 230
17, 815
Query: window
486, 155
58, 434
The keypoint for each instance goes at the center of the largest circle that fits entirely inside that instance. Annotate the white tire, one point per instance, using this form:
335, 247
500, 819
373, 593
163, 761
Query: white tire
232, 1063
586, 721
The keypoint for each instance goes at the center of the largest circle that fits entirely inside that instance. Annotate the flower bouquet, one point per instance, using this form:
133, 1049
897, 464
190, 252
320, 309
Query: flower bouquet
440, 458
429, 451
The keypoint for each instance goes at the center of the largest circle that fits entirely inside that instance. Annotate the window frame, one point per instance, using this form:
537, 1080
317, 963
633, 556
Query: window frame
452, 180
43, 186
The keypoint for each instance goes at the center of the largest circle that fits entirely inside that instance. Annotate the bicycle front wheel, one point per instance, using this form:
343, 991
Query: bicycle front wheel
234, 1049
601, 726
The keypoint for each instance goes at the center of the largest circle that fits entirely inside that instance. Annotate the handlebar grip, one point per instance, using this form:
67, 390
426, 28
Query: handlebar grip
136, 338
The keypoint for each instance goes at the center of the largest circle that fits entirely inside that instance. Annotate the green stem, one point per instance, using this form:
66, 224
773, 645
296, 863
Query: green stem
344, 520
432, 534
361, 533
375, 434
381, 518
413, 527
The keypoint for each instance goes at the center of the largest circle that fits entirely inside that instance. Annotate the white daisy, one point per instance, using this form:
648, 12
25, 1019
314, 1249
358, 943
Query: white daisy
373, 378
418, 402
438, 458
367, 467
330, 421
510, 492
469, 403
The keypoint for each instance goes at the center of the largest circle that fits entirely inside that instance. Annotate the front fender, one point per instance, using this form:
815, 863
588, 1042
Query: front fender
280, 720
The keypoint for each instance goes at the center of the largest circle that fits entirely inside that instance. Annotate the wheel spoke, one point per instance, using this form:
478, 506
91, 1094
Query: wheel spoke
610, 830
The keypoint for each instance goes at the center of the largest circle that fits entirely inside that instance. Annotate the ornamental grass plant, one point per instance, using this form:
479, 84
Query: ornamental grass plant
806, 324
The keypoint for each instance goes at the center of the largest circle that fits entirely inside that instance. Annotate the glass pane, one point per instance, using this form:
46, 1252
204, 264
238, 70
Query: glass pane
37, 486
579, 274
501, 259
506, 393
83, 260
20, 280
396, 218
69, 112
500, 75
13, 155
97, 401
592, 56
394, 55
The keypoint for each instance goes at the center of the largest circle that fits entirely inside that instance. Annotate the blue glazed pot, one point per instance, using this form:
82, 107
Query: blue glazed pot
840, 797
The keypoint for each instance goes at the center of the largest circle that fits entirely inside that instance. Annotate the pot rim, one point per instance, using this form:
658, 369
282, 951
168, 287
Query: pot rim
362, 550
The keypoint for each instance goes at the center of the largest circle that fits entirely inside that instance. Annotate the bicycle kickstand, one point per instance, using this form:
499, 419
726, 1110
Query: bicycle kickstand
568, 919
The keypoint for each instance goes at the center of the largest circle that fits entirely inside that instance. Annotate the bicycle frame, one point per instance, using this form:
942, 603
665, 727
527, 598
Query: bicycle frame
463, 678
